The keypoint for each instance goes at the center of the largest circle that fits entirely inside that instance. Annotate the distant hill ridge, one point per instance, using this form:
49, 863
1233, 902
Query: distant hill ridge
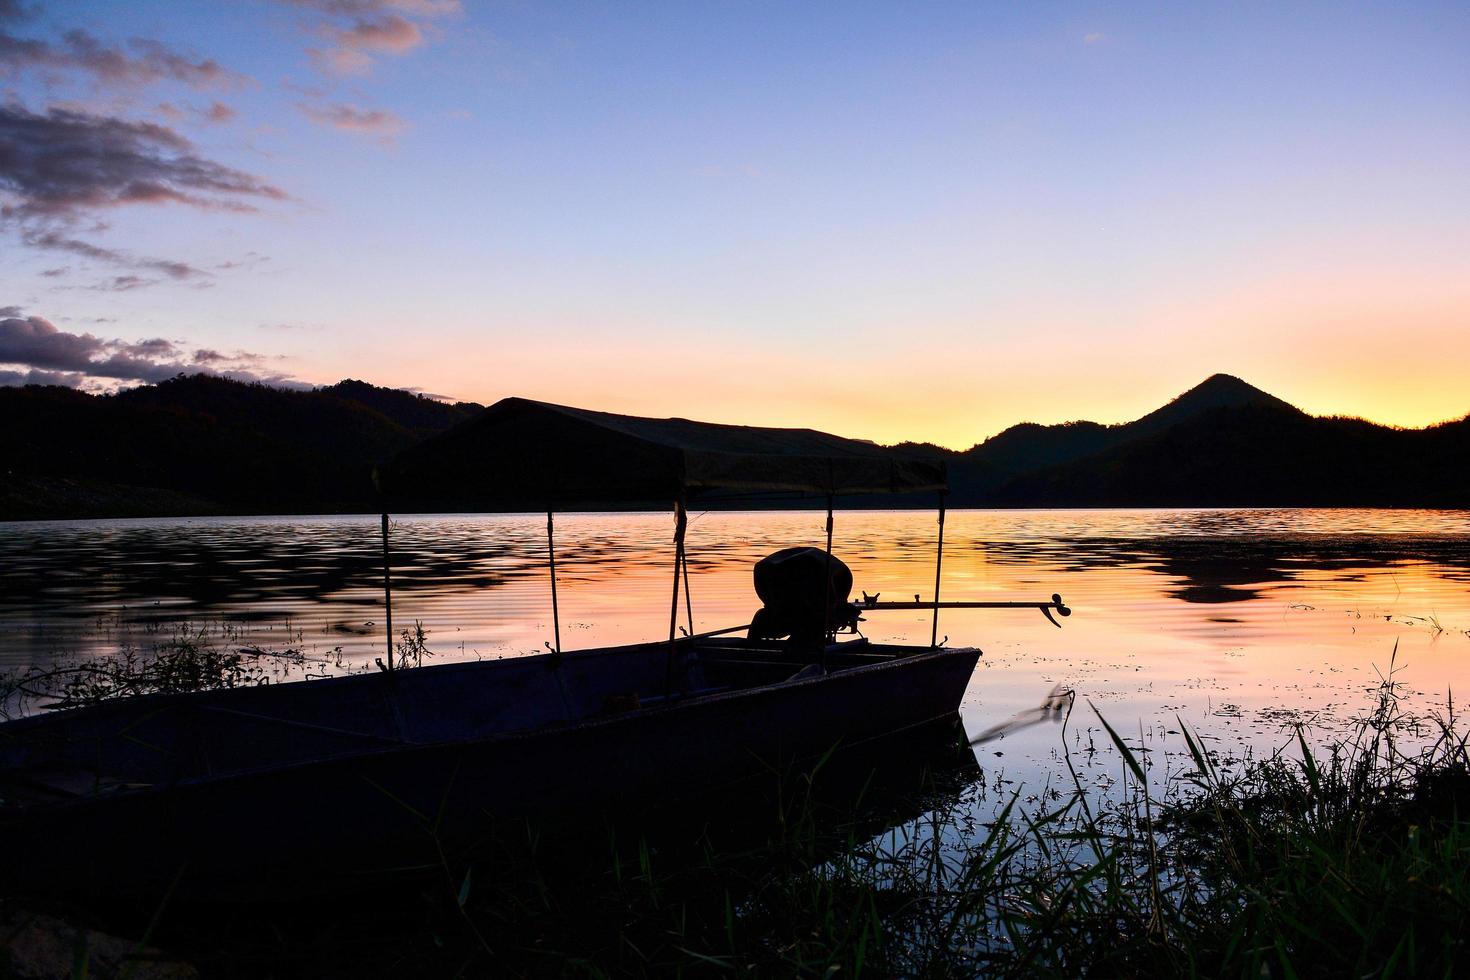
205, 444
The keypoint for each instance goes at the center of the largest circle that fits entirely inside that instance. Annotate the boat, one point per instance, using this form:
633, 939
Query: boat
250, 791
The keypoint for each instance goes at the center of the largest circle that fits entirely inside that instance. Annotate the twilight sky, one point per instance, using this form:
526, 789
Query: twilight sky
885, 220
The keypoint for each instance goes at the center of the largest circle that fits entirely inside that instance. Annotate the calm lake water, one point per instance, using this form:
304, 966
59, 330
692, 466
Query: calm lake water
1240, 621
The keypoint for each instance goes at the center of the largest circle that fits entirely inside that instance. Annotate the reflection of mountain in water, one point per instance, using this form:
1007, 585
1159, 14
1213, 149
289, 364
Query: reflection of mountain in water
72, 570
237, 565
1234, 569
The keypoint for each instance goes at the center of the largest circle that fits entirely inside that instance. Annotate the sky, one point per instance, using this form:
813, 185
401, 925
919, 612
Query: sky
893, 221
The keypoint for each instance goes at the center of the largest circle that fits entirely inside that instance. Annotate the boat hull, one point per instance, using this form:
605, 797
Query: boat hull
374, 811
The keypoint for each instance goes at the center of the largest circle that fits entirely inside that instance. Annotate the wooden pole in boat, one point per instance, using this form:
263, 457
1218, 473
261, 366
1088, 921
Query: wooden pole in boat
938, 566
387, 594
680, 522
551, 557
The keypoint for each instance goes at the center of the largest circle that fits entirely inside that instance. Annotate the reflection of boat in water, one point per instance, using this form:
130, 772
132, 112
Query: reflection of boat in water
261, 789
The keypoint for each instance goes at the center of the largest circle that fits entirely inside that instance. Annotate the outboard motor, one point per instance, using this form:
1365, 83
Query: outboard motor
805, 593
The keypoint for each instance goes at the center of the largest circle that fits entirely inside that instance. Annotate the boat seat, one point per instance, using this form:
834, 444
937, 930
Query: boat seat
307, 726
655, 699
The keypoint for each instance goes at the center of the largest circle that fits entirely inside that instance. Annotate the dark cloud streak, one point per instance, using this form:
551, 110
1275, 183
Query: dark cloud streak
59, 167
56, 241
65, 379
39, 347
62, 163
13, 10
144, 62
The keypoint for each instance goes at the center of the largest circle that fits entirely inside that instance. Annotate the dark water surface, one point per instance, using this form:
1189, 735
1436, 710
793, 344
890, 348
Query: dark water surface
1240, 621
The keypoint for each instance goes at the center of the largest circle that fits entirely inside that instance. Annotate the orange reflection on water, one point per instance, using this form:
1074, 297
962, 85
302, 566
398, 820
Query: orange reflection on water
1239, 621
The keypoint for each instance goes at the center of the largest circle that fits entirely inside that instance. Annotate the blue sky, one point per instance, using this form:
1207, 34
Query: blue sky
922, 221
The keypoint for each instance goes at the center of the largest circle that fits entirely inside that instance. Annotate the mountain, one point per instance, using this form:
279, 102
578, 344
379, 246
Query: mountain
204, 444
1029, 446
1216, 391
979, 474
1258, 455
1227, 443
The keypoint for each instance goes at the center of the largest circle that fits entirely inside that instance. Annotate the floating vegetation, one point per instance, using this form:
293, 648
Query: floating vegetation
177, 658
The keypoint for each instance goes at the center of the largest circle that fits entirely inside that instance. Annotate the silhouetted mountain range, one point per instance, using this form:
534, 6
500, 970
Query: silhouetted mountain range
201, 444
197, 445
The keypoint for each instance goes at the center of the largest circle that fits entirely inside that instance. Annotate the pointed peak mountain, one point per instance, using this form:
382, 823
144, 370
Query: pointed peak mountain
1028, 446
1227, 389
1216, 391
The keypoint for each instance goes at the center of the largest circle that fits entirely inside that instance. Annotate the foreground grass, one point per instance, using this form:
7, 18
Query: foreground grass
1352, 861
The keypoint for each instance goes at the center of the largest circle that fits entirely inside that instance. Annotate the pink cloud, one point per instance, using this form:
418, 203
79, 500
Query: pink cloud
372, 122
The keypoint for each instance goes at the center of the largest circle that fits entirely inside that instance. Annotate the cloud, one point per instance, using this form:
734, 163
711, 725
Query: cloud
1093, 38
122, 284
57, 241
248, 261
351, 53
143, 62
12, 10
62, 163
372, 122
359, 30
432, 396
35, 342
359, 8
65, 379
36, 347
217, 112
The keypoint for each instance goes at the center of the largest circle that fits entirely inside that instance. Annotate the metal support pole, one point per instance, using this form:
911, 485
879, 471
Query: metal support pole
551, 556
938, 567
681, 521
387, 594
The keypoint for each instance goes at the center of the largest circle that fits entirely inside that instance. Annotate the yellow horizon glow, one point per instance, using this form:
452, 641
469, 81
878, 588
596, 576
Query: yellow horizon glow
1349, 333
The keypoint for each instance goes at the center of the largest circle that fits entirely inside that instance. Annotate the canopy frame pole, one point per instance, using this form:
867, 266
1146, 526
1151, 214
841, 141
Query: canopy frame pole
551, 559
827, 636
387, 595
681, 522
688, 602
938, 569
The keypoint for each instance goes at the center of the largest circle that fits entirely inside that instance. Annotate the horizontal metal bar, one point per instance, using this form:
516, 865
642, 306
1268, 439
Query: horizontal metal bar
964, 605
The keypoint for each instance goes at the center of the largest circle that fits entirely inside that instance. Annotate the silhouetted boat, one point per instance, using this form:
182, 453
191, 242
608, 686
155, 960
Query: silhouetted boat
245, 790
